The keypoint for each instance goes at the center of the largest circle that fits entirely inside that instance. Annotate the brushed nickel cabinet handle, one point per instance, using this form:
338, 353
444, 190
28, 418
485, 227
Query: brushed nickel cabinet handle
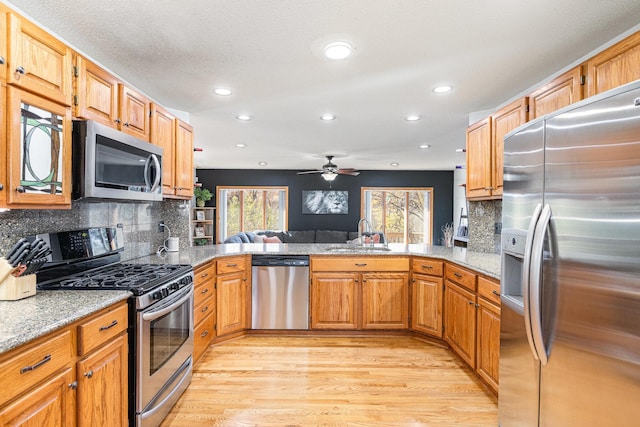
427, 267
496, 293
204, 291
204, 334
88, 374
26, 369
458, 275
204, 275
361, 264
204, 309
73, 385
232, 265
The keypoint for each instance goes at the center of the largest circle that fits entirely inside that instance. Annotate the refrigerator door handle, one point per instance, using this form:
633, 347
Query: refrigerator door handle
526, 267
535, 283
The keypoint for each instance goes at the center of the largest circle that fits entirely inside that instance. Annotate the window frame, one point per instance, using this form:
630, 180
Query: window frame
264, 188
407, 190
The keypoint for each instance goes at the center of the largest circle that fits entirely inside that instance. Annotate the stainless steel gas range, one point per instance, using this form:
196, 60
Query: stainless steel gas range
160, 313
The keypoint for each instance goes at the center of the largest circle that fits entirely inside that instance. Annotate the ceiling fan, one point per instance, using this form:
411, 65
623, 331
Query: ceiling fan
330, 170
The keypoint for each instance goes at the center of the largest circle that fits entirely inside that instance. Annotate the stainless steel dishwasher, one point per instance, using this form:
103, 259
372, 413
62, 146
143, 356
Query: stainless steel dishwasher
280, 292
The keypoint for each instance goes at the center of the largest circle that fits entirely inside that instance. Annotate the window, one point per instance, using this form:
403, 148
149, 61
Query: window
405, 215
250, 209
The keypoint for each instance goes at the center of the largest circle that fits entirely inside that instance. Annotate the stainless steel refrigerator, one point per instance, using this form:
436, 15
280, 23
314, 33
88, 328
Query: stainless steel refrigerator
570, 325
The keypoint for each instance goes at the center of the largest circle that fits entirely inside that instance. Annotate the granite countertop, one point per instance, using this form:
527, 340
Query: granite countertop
24, 320
485, 263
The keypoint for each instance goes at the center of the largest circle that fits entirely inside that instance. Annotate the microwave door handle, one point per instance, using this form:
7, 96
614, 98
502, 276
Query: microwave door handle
147, 171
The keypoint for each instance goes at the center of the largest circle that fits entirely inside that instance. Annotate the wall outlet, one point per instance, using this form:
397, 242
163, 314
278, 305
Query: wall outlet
497, 228
161, 227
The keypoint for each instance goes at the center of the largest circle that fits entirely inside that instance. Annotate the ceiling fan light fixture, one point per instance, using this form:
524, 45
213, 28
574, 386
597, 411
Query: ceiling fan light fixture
338, 50
329, 176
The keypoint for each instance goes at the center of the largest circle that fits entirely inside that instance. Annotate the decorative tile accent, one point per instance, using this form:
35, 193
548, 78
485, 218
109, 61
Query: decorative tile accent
139, 221
482, 218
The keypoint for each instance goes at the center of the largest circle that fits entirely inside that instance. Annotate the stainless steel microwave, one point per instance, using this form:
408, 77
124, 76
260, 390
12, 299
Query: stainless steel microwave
110, 164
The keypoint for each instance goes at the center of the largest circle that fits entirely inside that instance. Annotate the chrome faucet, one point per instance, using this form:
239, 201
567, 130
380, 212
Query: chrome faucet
367, 223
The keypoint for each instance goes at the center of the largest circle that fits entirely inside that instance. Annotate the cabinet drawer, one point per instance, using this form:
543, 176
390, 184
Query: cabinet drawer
489, 290
201, 311
461, 276
95, 332
427, 266
352, 264
29, 367
203, 334
204, 291
231, 265
203, 272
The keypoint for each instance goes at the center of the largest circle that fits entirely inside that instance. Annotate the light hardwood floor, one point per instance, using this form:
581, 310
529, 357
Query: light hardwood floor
333, 381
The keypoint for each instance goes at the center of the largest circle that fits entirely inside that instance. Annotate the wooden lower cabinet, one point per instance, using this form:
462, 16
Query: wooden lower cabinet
204, 307
52, 403
77, 375
460, 321
231, 295
359, 300
426, 304
102, 385
488, 342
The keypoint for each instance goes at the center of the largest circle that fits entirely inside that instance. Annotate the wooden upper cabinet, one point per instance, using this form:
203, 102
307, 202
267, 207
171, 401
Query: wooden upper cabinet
96, 96
184, 160
4, 12
134, 112
502, 122
562, 91
479, 159
38, 152
38, 62
615, 66
163, 134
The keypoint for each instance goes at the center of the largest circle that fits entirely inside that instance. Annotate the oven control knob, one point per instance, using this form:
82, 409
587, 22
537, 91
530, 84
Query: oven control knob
174, 287
157, 295
165, 292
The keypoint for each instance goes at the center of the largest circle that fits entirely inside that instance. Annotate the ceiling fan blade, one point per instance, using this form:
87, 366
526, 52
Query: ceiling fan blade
313, 171
351, 172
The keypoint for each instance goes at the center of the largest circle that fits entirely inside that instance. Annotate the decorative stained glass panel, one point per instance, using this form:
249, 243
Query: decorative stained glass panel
41, 153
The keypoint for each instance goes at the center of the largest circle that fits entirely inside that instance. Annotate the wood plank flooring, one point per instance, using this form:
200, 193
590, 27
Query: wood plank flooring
332, 381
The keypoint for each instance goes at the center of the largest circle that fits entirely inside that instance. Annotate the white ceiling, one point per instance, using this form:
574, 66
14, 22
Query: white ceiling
269, 53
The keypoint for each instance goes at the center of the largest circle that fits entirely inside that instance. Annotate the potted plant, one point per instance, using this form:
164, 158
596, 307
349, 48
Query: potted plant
199, 242
202, 195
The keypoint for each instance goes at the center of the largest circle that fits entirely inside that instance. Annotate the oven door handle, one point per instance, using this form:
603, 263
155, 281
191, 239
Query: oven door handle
153, 315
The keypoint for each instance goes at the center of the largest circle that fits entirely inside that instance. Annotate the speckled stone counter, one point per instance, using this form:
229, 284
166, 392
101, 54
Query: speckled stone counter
485, 263
27, 319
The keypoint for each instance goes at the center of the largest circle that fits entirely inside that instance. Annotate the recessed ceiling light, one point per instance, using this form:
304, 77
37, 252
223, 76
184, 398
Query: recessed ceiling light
338, 50
442, 89
262, 163
395, 164
424, 146
222, 91
244, 117
328, 117
241, 145
413, 117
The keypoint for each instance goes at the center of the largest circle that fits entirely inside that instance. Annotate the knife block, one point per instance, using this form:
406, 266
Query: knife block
14, 288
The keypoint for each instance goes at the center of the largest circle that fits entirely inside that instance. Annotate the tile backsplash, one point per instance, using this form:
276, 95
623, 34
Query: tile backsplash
482, 219
139, 222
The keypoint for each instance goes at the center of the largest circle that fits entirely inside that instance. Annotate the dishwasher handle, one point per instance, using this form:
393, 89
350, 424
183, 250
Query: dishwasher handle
280, 260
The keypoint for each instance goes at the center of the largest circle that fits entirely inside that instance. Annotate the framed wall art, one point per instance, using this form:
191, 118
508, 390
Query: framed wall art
323, 202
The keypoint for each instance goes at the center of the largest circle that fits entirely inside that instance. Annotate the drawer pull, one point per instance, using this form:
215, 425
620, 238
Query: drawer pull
204, 275
458, 275
26, 369
362, 264
109, 326
496, 293
204, 291
232, 265
204, 309
427, 267
204, 334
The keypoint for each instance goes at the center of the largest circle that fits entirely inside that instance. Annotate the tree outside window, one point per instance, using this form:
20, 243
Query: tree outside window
405, 215
251, 209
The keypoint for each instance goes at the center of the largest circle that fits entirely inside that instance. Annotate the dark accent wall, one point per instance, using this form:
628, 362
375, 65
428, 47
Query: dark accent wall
440, 181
